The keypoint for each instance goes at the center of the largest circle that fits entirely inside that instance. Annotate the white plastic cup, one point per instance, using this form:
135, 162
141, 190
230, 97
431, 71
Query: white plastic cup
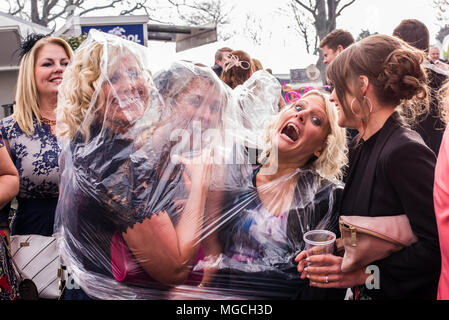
319, 242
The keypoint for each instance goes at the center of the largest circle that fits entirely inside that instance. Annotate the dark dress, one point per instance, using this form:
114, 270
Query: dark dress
259, 248
36, 159
103, 192
392, 173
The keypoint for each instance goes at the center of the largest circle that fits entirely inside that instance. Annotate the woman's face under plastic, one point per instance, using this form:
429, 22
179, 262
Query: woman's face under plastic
126, 95
303, 129
200, 101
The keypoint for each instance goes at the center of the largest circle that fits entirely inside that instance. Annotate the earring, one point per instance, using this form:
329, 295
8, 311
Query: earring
317, 154
352, 103
369, 103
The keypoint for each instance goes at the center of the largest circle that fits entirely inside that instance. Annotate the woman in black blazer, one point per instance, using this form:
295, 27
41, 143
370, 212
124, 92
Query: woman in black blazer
380, 86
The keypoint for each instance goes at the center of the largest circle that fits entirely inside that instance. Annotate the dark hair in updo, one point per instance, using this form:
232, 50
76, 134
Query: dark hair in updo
392, 66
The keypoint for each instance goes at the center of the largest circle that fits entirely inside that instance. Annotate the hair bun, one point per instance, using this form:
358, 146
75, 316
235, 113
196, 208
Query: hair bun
403, 75
28, 43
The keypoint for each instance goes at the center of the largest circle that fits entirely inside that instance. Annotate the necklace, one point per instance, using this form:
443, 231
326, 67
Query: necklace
48, 121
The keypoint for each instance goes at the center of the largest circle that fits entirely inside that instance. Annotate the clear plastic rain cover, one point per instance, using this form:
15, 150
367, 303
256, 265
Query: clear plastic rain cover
162, 193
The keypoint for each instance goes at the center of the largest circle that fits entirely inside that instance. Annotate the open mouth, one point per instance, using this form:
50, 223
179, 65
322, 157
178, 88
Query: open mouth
56, 80
291, 131
127, 102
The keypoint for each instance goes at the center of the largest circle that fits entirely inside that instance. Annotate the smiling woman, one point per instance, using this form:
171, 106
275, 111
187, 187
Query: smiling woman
28, 133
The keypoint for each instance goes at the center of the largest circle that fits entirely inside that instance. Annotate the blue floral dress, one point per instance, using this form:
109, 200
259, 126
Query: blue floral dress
36, 159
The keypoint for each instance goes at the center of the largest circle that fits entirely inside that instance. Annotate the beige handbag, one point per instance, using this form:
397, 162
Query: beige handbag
369, 239
37, 258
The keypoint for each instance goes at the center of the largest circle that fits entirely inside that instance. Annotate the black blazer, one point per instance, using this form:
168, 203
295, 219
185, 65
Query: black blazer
391, 175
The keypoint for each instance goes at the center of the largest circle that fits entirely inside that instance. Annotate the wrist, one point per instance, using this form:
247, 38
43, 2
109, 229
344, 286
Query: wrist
363, 276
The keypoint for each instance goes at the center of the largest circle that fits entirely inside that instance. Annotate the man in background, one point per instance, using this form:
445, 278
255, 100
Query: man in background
434, 56
334, 43
220, 59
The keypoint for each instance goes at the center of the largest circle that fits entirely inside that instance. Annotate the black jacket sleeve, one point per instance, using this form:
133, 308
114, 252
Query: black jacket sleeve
414, 271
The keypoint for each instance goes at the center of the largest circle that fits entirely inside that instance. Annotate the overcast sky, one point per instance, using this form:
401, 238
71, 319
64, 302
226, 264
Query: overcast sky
281, 48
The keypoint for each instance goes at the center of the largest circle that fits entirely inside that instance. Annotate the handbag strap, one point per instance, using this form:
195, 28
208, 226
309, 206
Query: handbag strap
8, 250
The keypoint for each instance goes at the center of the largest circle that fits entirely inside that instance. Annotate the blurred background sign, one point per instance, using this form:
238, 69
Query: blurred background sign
137, 29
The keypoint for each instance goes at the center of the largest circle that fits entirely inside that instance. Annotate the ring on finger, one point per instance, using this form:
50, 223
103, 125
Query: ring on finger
327, 279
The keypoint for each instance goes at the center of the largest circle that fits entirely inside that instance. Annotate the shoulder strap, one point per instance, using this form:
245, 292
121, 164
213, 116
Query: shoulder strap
8, 250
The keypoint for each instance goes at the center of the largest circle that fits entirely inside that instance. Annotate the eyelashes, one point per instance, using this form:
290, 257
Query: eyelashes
130, 74
315, 120
197, 101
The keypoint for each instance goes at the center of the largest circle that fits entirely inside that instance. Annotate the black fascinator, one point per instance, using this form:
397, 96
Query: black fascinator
29, 42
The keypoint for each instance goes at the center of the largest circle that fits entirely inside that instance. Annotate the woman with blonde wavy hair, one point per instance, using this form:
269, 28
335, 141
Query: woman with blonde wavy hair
294, 190
29, 132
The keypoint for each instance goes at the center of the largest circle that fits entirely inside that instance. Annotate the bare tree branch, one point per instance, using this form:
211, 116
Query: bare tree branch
324, 15
202, 12
44, 12
312, 11
110, 5
302, 25
20, 7
344, 7
137, 6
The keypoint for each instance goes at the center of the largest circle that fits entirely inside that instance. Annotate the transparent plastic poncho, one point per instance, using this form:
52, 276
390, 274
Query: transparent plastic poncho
158, 198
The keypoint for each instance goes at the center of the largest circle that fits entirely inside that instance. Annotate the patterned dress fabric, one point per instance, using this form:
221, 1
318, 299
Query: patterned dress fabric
36, 159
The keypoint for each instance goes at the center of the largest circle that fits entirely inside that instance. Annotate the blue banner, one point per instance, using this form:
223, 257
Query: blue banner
132, 32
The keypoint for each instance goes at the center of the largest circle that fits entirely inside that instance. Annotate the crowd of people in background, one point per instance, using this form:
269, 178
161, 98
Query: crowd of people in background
96, 167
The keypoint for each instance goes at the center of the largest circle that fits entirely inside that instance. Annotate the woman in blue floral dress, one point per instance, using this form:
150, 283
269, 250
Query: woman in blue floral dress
29, 133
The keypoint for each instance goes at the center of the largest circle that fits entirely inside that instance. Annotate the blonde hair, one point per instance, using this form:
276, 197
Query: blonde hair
79, 88
333, 159
27, 97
